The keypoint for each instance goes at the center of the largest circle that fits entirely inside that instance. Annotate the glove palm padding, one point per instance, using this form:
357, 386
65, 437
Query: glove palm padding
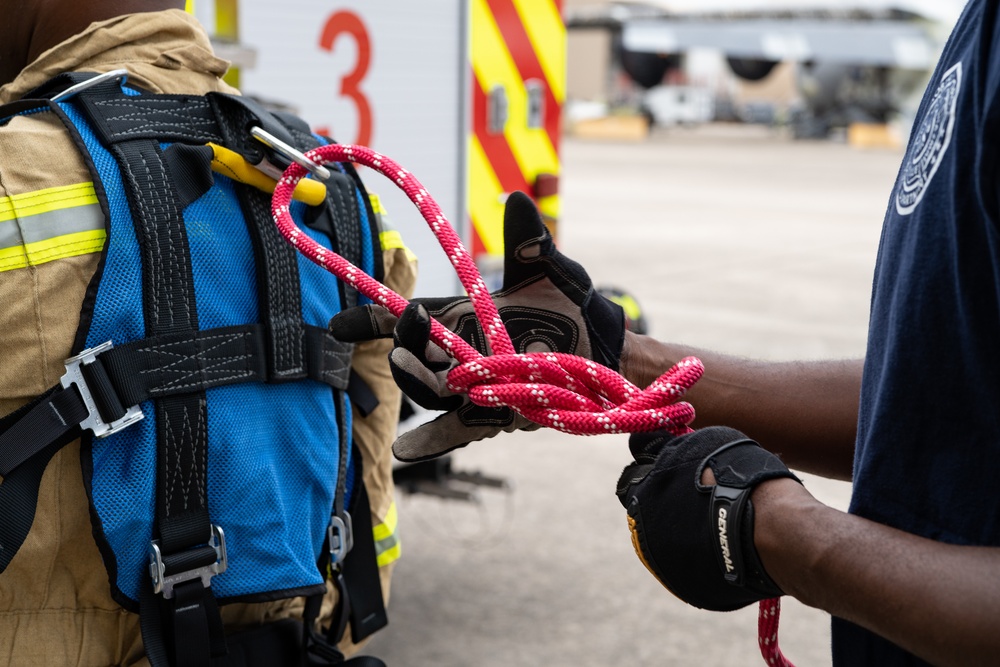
548, 304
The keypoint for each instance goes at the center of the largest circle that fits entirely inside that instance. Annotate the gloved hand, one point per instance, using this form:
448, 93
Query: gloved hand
548, 304
697, 540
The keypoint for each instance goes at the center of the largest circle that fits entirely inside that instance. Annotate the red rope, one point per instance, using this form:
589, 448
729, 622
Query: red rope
767, 633
561, 391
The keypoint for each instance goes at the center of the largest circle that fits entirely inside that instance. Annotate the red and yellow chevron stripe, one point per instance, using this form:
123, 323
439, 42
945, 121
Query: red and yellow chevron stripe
518, 46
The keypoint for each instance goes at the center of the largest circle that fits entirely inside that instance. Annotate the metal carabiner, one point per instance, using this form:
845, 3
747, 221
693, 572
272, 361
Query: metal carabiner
93, 81
293, 154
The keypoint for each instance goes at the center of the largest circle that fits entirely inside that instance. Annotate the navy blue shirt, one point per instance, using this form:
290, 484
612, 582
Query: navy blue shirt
929, 427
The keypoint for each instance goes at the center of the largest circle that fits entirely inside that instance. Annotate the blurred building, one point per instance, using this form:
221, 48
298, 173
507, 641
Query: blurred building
815, 65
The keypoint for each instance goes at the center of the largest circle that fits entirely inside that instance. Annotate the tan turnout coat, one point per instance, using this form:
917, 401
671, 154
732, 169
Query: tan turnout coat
55, 605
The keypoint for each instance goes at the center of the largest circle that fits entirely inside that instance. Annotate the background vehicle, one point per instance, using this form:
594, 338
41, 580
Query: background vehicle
467, 94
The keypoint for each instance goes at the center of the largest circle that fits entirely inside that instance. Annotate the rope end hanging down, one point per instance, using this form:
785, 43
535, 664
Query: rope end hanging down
562, 391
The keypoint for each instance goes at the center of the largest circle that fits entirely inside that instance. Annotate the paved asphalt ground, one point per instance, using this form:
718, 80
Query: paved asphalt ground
732, 238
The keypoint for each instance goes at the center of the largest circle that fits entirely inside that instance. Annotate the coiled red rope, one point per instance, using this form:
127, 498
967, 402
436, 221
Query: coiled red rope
562, 391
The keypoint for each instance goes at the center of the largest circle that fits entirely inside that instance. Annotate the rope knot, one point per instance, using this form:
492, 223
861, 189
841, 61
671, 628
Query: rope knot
577, 395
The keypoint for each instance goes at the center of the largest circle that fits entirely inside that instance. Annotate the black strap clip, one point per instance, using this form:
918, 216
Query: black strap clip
75, 375
164, 583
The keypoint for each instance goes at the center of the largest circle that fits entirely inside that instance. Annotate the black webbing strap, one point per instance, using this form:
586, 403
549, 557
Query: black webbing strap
170, 309
235, 115
364, 587
343, 208
338, 542
341, 222
277, 262
131, 374
361, 394
44, 421
280, 298
132, 128
162, 118
180, 363
30, 438
19, 498
57, 84
340, 400
195, 622
340, 219
356, 575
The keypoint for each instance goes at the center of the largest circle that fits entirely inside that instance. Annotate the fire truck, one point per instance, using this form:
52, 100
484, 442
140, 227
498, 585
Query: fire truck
466, 94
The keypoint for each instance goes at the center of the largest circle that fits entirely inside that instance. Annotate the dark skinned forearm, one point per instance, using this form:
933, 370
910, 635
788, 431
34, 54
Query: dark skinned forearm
939, 601
806, 412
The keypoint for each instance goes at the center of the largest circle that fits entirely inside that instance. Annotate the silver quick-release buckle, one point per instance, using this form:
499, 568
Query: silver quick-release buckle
164, 583
340, 537
74, 376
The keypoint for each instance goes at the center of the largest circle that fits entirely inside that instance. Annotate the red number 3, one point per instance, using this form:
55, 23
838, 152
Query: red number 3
349, 23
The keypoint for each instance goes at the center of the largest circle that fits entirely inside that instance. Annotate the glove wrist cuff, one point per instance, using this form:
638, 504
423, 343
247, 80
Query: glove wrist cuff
732, 522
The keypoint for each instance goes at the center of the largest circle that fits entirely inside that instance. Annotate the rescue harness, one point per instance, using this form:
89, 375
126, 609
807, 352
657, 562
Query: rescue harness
213, 407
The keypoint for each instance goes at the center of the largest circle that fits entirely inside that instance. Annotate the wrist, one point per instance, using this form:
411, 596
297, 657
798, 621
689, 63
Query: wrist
644, 359
783, 513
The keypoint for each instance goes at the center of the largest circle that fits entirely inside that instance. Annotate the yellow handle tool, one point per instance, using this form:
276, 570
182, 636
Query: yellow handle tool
232, 164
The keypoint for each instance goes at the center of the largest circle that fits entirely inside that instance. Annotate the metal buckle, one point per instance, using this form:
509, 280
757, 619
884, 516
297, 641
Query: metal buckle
163, 583
340, 537
293, 154
93, 81
74, 375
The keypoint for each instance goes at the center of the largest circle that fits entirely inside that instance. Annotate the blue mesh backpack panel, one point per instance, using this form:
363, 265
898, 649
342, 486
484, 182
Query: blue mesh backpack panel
224, 469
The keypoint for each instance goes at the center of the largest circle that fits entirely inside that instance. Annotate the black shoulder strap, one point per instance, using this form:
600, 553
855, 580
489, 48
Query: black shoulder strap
169, 304
364, 587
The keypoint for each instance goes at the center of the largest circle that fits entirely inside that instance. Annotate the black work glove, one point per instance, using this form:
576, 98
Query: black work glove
547, 303
697, 540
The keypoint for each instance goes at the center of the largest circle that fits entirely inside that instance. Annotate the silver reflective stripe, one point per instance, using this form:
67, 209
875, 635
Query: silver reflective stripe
49, 225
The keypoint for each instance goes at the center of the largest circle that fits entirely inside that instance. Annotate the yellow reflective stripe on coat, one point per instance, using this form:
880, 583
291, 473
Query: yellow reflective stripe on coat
391, 240
377, 204
387, 547
388, 238
50, 224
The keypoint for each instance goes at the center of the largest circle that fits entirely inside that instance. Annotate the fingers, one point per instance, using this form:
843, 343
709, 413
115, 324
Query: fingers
424, 387
645, 447
356, 325
431, 440
444, 434
631, 475
525, 240
530, 255
413, 333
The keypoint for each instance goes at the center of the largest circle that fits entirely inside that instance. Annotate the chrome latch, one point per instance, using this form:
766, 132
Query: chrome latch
74, 376
290, 153
340, 537
113, 75
164, 583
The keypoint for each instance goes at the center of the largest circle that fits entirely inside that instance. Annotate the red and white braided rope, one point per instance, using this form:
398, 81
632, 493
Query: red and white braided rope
561, 391
768, 615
